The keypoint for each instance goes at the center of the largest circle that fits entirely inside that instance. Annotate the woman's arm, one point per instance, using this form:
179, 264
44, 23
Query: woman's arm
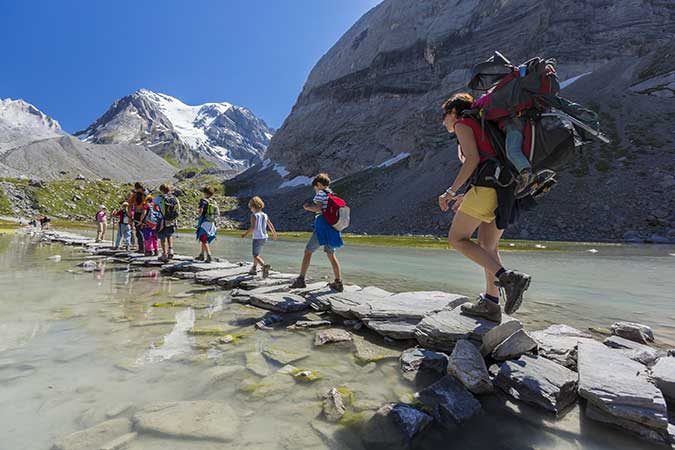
467, 141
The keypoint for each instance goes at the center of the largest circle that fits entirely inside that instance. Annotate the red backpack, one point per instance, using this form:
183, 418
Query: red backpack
337, 212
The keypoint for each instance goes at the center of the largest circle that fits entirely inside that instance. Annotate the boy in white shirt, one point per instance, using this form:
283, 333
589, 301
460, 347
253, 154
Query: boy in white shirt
260, 223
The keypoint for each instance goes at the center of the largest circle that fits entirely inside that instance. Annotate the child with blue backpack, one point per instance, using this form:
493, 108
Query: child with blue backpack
150, 219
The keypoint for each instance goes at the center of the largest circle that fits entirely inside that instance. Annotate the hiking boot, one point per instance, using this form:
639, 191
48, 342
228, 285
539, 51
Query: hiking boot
483, 307
163, 258
543, 182
170, 255
525, 179
336, 286
253, 271
208, 259
155, 253
200, 257
299, 283
514, 284
266, 270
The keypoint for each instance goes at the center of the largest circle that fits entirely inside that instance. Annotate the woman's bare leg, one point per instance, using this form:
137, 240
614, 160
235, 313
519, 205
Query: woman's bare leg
488, 238
459, 236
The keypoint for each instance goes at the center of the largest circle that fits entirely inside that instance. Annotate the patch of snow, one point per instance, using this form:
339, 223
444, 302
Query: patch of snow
394, 160
281, 170
265, 164
569, 81
300, 180
592, 250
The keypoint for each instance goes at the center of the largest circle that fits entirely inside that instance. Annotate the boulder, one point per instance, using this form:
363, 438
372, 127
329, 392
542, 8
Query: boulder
393, 426
94, 437
332, 336
538, 381
619, 391
633, 331
279, 302
443, 329
450, 402
515, 345
498, 334
637, 352
468, 366
394, 329
333, 405
663, 373
559, 343
416, 362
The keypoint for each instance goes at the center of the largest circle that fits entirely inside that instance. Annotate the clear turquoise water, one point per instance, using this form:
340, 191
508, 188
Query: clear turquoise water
69, 350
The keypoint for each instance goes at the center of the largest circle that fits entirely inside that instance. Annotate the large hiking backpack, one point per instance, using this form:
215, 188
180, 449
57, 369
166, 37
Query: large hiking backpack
171, 208
337, 212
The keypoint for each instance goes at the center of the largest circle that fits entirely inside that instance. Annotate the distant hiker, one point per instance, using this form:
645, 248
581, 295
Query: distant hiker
124, 229
44, 222
324, 234
101, 223
136, 203
206, 224
169, 209
260, 223
476, 210
149, 221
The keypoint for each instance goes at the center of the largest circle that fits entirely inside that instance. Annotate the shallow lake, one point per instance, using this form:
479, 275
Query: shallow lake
78, 347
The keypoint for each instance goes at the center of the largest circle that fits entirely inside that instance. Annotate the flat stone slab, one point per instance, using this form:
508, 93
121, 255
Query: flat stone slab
94, 437
620, 389
663, 373
633, 331
468, 366
450, 402
212, 276
513, 346
319, 294
444, 328
199, 420
538, 381
498, 334
559, 344
637, 352
279, 301
395, 329
190, 266
280, 281
283, 356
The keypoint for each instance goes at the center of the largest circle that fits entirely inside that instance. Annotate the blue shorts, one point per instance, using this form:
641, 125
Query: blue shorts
258, 244
313, 245
167, 232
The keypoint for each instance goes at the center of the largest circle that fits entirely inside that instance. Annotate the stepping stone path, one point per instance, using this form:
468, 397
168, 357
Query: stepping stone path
538, 381
619, 384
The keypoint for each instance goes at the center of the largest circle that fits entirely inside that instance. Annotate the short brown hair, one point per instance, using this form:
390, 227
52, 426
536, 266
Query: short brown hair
322, 178
165, 188
459, 102
209, 191
139, 185
256, 202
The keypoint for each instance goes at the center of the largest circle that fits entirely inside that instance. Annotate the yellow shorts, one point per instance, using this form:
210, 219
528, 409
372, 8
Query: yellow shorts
480, 203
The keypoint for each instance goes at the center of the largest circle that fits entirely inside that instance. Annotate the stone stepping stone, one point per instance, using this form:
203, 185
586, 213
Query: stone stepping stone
278, 280
419, 362
618, 391
443, 329
319, 294
394, 329
513, 346
663, 373
468, 366
538, 381
190, 266
498, 334
633, 332
279, 301
94, 437
559, 344
214, 275
197, 420
641, 353
450, 402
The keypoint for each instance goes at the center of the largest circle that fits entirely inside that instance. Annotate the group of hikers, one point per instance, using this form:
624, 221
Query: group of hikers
505, 165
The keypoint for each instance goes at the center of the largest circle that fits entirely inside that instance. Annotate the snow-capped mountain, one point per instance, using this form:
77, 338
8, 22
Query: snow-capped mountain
226, 134
21, 123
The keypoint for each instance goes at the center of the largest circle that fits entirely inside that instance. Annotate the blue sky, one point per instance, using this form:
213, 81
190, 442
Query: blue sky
73, 58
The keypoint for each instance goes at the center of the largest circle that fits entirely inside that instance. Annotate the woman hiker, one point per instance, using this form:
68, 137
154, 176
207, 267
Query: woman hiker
476, 210
101, 222
135, 210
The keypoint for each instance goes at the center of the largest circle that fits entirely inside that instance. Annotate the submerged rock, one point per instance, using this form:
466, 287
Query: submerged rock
663, 373
393, 427
513, 346
283, 356
619, 391
199, 420
256, 363
559, 343
333, 405
367, 351
468, 366
538, 381
94, 437
120, 443
419, 362
332, 336
637, 352
633, 331
450, 402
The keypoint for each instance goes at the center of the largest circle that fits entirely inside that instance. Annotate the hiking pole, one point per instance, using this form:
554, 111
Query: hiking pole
112, 241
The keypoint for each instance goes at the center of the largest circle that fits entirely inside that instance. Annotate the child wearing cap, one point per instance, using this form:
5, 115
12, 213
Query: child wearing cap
101, 219
124, 230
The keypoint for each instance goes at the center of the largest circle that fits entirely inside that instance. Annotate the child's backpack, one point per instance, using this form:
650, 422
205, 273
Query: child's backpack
153, 217
337, 212
212, 210
171, 208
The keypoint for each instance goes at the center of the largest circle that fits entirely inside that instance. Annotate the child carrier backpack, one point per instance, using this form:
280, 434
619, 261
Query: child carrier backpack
336, 212
171, 208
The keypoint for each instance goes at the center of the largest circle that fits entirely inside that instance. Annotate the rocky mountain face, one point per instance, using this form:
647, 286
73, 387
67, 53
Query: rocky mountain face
376, 95
21, 123
228, 135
